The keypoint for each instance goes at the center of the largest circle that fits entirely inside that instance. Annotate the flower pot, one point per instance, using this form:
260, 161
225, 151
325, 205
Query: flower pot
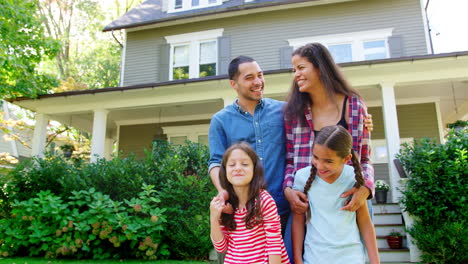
381, 196
395, 242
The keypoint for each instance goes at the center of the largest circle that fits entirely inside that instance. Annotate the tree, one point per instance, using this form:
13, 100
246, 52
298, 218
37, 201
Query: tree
23, 46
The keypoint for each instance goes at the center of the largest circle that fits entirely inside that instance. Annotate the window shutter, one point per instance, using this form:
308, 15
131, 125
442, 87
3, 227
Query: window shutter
285, 57
395, 44
224, 55
164, 62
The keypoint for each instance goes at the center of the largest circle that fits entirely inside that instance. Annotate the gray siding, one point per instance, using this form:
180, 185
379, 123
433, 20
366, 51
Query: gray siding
416, 121
262, 35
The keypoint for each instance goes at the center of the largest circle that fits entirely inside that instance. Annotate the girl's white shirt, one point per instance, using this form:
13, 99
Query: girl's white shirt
332, 235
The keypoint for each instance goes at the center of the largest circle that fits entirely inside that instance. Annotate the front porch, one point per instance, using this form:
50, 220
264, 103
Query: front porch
409, 98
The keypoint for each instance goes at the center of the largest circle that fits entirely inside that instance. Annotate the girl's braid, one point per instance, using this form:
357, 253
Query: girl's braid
313, 173
357, 170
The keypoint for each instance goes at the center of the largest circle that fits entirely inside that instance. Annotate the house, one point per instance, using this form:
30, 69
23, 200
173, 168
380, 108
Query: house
176, 52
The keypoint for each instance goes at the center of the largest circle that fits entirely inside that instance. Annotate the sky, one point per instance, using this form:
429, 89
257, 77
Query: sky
449, 23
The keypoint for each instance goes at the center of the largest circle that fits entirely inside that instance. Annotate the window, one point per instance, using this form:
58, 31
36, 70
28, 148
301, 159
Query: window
193, 55
194, 133
184, 5
354, 46
379, 149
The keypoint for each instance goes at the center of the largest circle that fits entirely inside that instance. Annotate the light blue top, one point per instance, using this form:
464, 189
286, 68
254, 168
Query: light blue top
264, 131
332, 235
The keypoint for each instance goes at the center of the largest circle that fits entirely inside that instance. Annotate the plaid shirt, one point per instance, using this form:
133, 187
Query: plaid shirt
299, 140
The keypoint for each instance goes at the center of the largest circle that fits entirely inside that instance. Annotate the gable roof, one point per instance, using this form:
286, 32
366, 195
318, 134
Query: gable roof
151, 12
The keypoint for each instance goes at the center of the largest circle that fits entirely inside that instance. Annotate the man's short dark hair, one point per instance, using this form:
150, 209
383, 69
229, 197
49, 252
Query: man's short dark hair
234, 65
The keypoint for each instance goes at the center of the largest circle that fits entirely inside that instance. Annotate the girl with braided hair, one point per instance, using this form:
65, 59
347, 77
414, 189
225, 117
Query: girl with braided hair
252, 234
333, 235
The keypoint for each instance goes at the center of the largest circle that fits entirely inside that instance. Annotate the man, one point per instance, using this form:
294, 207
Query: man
258, 121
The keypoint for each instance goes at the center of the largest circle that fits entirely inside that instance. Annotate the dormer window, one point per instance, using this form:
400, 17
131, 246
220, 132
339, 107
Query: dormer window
184, 5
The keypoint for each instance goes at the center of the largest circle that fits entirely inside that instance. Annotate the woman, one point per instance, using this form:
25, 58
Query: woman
319, 97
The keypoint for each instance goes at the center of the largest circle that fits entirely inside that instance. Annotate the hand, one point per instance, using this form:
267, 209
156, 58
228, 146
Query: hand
368, 123
297, 200
216, 207
224, 196
359, 198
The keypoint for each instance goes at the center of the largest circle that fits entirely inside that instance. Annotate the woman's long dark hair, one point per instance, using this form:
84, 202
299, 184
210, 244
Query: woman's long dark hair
338, 139
329, 74
253, 205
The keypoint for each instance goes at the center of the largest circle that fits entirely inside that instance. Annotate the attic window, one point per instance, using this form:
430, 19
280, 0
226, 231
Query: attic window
184, 5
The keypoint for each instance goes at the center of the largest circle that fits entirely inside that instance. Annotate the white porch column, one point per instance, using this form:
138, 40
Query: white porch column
228, 100
392, 134
99, 134
39, 136
109, 145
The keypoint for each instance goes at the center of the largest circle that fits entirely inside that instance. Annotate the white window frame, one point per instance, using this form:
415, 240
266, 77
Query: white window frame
192, 39
191, 132
356, 39
381, 144
187, 5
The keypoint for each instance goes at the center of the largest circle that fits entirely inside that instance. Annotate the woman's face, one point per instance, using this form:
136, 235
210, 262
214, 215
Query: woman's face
239, 168
305, 74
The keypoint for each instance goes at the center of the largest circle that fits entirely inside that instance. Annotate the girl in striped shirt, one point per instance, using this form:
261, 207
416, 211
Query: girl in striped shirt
253, 233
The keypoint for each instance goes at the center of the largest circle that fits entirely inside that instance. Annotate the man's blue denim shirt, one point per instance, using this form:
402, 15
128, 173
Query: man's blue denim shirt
264, 131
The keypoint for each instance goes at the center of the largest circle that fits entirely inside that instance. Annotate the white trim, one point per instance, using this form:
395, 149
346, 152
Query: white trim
40, 134
392, 134
192, 40
99, 134
191, 132
200, 35
187, 5
404, 101
439, 122
426, 27
122, 62
156, 120
355, 39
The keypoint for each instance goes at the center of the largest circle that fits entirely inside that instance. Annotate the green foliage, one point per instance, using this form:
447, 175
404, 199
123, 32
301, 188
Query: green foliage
181, 186
89, 225
22, 47
436, 195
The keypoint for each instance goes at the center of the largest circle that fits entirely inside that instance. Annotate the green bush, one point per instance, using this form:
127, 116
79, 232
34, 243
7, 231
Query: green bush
436, 195
89, 225
178, 175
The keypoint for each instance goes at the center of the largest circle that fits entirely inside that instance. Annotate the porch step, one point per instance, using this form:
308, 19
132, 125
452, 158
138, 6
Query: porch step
394, 255
386, 208
388, 218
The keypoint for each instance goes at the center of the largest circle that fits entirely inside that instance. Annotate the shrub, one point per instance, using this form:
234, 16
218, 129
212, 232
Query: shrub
436, 195
179, 178
90, 225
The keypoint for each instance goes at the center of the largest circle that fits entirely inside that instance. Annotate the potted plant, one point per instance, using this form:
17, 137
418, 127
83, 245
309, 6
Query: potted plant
67, 150
381, 190
394, 239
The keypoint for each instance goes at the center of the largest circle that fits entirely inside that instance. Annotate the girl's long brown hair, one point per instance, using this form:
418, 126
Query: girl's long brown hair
253, 205
338, 139
330, 76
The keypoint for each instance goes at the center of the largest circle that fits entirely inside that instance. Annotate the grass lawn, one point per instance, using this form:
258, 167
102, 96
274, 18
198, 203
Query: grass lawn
88, 261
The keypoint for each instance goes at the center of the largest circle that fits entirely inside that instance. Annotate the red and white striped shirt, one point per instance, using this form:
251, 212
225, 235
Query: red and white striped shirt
254, 245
